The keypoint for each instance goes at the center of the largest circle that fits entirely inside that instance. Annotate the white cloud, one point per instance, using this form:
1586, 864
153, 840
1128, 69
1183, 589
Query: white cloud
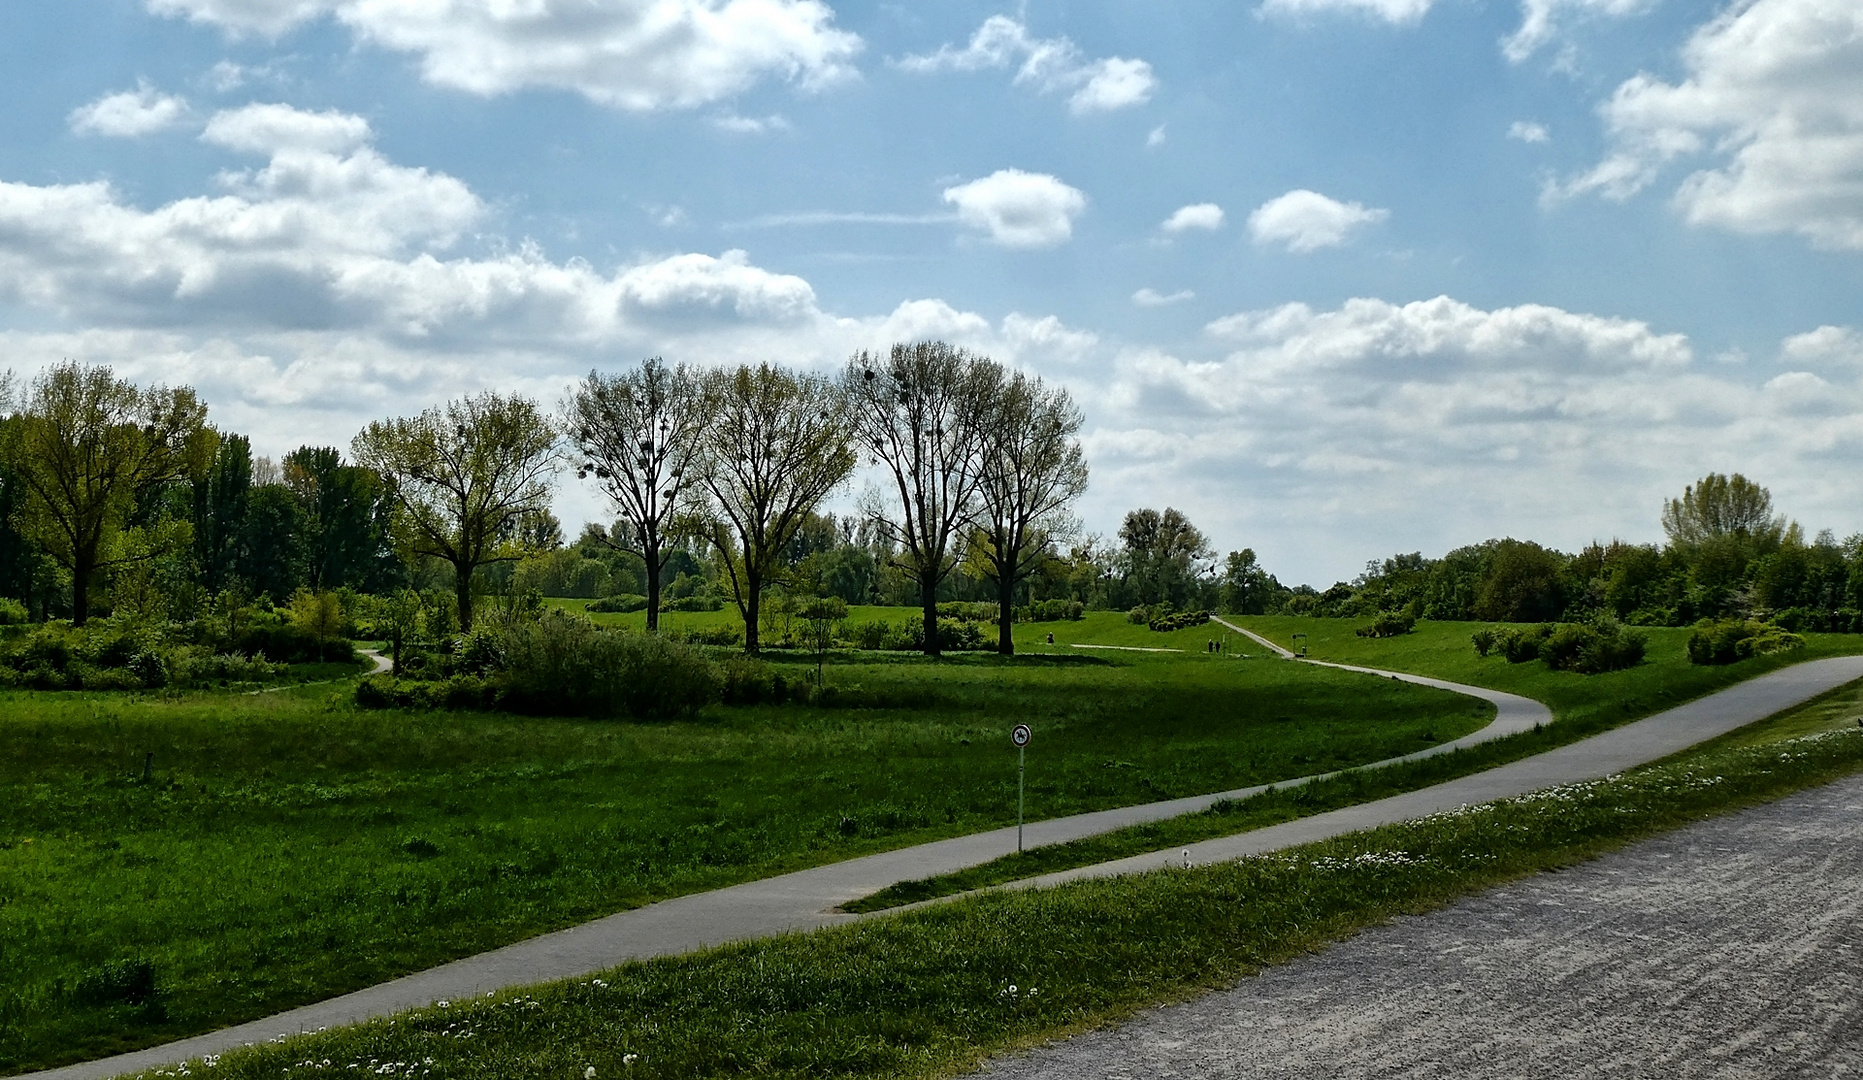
1306, 220
1303, 431
1149, 297
1398, 12
1540, 19
1196, 216
750, 125
1774, 96
1019, 209
1049, 64
268, 129
1156, 138
1527, 131
638, 55
130, 114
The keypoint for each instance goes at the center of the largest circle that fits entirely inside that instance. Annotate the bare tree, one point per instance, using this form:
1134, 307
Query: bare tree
921, 412
1032, 471
466, 477
775, 444
86, 448
638, 433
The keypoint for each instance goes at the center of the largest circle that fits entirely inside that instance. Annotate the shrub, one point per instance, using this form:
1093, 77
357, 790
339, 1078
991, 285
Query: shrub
12, 612
564, 664
1051, 611
692, 603
974, 612
872, 634
1389, 624
1140, 615
720, 634
1485, 640
1592, 648
1180, 621
196, 666
1730, 640
618, 604
1520, 644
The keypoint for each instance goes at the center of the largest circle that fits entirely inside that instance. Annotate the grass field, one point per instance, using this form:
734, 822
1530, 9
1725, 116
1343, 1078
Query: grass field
288, 846
933, 992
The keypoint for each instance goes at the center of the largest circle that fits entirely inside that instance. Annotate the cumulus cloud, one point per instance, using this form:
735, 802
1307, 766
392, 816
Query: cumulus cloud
638, 55
1527, 131
1303, 430
1150, 297
1540, 21
267, 129
130, 114
1019, 209
1196, 216
1398, 12
1774, 99
1306, 220
1050, 65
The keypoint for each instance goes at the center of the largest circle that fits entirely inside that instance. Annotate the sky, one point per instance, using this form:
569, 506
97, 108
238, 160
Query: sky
1337, 278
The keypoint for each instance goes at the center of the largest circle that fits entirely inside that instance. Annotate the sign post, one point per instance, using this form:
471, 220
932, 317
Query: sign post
1020, 736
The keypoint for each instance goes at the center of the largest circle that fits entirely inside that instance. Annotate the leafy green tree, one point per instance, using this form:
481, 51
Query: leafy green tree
1163, 557
1032, 472
87, 449
1724, 507
1521, 584
271, 557
1246, 588
220, 497
465, 476
344, 539
922, 414
774, 446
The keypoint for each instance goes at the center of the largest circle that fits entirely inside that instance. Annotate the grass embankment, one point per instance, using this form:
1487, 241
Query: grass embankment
1582, 705
934, 991
287, 846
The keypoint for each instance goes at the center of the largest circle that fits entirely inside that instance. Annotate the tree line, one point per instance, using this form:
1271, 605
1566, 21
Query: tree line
118, 498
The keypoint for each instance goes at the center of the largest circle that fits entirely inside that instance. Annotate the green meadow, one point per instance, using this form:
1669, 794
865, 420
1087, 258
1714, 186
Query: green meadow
288, 846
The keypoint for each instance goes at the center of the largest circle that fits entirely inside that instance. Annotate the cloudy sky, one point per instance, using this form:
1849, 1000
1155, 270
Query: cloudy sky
1338, 278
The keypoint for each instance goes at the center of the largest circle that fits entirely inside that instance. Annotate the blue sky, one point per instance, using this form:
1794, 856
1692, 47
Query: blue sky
1336, 277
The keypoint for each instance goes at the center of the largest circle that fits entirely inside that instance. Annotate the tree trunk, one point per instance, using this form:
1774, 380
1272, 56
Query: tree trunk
462, 592
1005, 613
83, 568
928, 591
652, 550
753, 600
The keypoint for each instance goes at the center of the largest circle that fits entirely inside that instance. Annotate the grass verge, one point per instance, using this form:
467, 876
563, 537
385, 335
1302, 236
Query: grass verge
936, 990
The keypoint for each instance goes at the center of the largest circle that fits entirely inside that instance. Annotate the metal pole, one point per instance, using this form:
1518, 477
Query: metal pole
1021, 752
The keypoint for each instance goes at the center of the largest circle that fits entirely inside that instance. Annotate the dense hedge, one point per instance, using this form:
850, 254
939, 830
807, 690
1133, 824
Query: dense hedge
1586, 648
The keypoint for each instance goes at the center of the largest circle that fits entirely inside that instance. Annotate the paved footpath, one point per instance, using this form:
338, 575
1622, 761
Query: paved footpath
805, 900
1729, 948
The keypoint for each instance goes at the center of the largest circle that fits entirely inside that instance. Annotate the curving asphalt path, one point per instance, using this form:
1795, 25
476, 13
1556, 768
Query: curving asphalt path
805, 900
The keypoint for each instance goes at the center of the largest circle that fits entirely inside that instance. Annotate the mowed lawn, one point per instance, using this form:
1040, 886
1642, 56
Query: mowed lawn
1589, 702
286, 847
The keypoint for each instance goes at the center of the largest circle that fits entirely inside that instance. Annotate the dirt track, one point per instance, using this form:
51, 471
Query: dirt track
1733, 948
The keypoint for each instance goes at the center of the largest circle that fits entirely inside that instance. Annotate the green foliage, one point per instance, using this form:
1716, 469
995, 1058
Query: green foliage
1182, 620
1051, 611
1732, 640
1591, 648
620, 603
1390, 624
700, 602
12, 612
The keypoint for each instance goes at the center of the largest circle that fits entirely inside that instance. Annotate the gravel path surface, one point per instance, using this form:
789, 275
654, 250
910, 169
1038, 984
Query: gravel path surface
1731, 948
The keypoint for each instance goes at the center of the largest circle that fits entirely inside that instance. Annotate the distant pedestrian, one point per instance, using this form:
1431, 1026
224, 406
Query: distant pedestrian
1051, 637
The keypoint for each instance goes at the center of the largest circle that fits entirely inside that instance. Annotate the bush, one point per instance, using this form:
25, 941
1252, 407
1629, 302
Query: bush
196, 666
972, 611
1731, 640
1140, 615
563, 664
618, 604
1519, 644
720, 634
1051, 611
12, 612
1180, 621
1391, 624
873, 634
1592, 648
692, 603
1485, 639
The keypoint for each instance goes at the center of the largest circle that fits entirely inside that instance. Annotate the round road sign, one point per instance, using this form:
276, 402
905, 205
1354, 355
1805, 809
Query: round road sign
1021, 735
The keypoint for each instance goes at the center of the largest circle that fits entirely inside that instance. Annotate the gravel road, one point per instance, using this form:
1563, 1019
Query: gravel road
1732, 948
